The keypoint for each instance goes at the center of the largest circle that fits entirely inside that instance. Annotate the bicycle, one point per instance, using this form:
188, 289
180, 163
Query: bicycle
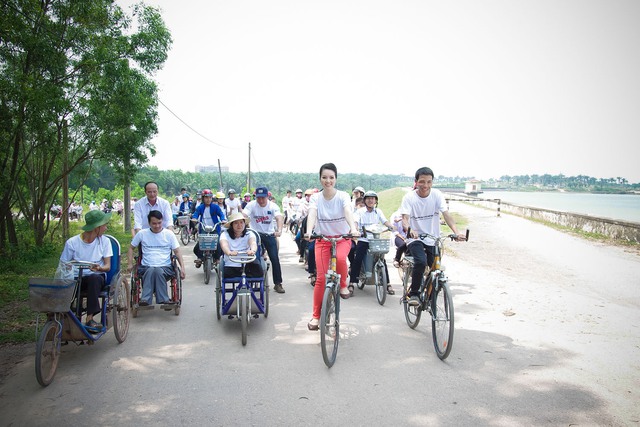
374, 265
184, 229
208, 241
330, 313
435, 297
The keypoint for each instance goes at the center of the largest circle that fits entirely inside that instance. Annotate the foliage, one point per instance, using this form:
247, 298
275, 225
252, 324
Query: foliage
73, 89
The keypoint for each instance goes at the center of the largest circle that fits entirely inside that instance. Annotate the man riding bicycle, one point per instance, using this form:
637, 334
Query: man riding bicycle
421, 209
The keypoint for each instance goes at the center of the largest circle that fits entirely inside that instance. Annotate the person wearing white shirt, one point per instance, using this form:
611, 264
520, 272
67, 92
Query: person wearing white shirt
367, 215
232, 203
330, 214
421, 209
265, 218
151, 202
157, 244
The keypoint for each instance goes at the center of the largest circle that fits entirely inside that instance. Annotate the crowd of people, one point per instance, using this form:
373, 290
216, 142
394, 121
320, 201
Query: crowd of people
328, 211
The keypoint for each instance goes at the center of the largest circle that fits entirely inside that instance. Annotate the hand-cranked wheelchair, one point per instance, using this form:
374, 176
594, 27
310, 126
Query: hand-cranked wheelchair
175, 285
64, 304
243, 297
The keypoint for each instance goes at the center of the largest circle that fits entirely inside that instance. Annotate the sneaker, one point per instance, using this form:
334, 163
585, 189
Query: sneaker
278, 288
198, 262
414, 301
301, 259
314, 324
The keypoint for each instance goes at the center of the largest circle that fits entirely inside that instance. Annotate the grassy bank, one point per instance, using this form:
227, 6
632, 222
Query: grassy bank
17, 321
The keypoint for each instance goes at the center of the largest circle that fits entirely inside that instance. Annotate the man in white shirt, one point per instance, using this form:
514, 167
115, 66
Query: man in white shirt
233, 204
151, 202
421, 209
157, 244
265, 218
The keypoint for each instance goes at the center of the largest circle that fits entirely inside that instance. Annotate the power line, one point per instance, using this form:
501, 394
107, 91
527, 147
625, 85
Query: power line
192, 129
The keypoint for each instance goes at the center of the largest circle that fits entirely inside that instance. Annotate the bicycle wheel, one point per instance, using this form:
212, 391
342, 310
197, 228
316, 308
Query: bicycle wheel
184, 236
121, 311
177, 291
244, 316
266, 295
411, 313
218, 294
206, 266
135, 296
48, 352
442, 320
330, 326
380, 280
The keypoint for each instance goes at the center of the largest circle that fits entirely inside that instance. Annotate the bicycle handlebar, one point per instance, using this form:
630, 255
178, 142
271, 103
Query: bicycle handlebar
329, 239
239, 258
439, 239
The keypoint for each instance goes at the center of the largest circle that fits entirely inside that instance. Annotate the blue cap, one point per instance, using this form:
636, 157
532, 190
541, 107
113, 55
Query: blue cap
262, 192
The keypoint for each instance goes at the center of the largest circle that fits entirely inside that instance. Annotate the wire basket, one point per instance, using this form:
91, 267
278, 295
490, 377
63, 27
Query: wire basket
208, 242
183, 220
51, 295
379, 246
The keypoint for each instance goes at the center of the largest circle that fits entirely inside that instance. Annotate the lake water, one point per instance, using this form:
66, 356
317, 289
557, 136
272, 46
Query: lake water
625, 207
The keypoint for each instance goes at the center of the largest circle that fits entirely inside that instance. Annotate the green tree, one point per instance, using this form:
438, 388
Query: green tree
73, 89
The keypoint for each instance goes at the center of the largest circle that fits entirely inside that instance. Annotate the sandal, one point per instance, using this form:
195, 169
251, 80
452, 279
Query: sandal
345, 293
396, 264
93, 325
314, 324
390, 290
351, 289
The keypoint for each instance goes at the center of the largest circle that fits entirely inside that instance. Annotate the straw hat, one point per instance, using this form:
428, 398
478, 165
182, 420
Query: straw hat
95, 219
235, 217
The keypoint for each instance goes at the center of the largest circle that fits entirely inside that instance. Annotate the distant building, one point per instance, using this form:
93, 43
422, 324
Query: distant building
473, 187
211, 169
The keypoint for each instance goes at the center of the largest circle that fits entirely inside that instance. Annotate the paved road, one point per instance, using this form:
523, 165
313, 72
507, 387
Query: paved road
539, 339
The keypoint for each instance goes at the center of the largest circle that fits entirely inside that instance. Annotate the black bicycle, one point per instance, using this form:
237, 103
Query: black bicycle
435, 298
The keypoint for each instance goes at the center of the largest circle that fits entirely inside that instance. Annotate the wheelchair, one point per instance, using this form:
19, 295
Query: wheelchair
243, 297
64, 305
175, 287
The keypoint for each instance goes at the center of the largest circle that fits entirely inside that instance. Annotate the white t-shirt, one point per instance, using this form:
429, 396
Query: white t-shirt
238, 244
233, 206
424, 213
295, 201
76, 249
363, 217
262, 218
156, 247
330, 220
286, 204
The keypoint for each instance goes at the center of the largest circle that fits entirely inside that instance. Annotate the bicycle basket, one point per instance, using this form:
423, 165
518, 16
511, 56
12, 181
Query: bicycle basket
51, 295
208, 242
183, 220
379, 246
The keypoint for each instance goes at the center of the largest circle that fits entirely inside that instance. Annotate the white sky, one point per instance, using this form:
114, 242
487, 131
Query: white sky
468, 88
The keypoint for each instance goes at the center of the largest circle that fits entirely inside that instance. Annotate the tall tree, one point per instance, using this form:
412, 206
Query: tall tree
76, 62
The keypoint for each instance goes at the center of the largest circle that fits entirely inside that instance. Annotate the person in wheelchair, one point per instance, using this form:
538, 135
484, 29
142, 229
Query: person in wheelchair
237, 238
91, 246
157, 244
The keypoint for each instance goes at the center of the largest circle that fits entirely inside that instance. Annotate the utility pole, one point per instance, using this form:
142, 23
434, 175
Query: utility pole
249, 172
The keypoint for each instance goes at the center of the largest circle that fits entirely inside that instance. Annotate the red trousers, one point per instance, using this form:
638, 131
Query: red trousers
323, 258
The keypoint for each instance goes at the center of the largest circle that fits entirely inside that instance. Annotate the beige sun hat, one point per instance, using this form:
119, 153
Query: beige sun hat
235, 217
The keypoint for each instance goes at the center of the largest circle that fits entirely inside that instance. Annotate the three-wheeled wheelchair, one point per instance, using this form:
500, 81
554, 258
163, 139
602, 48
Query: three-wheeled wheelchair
64, 304
175, 287
243, 297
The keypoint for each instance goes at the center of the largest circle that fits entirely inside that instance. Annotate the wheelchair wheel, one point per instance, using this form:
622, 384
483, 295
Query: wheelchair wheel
120, 309
218, 294
135, 296
176, 290
266, 295
48, 352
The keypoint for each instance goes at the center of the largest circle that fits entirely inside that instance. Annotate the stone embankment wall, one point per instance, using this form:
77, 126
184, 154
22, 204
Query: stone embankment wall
615, 229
